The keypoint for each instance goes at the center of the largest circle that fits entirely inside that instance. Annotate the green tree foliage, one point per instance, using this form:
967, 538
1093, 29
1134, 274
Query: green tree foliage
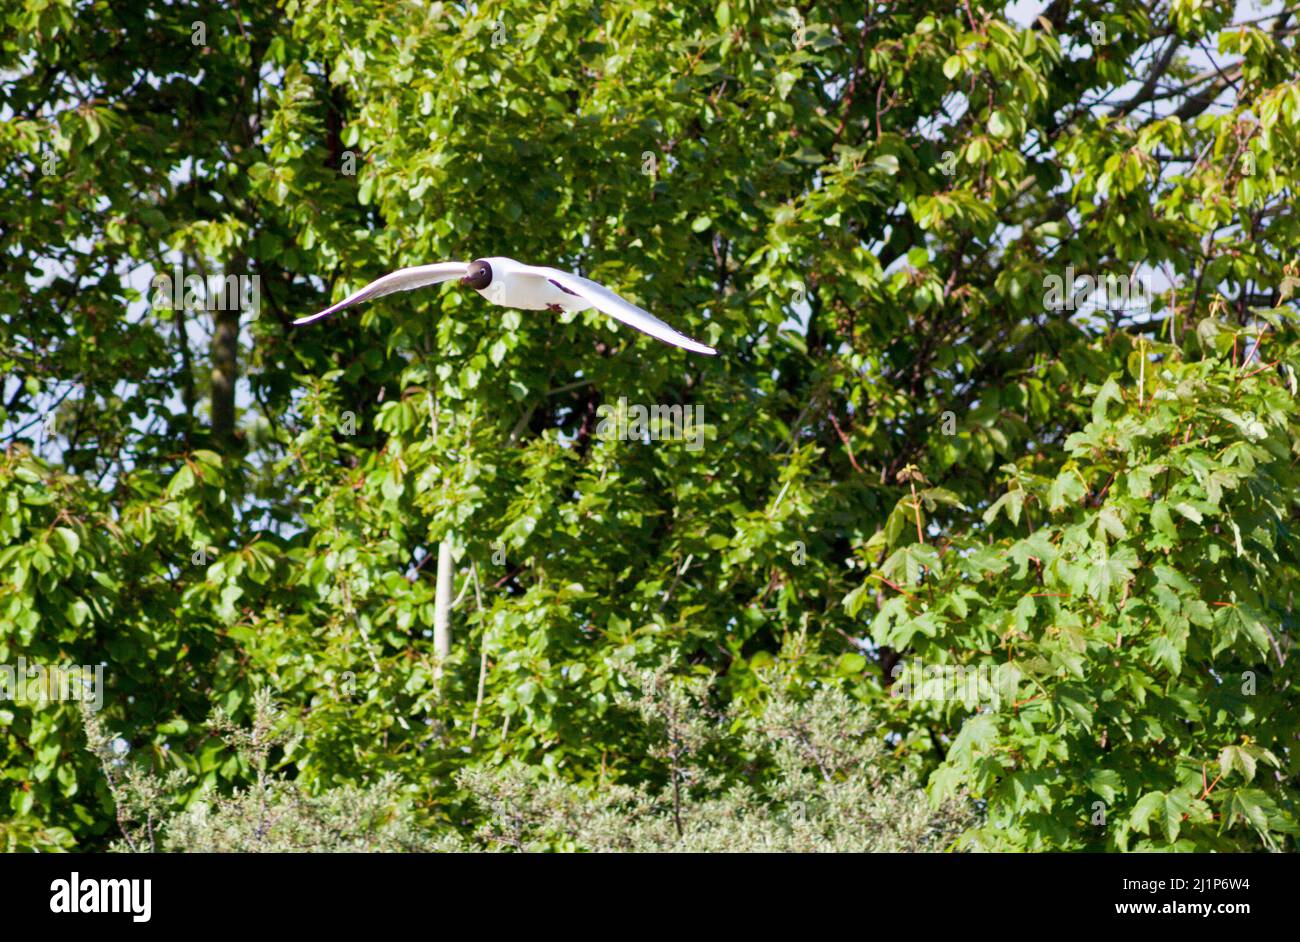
920, 450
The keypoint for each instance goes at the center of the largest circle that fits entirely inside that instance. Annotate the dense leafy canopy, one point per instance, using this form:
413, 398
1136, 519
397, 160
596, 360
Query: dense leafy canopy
915, 456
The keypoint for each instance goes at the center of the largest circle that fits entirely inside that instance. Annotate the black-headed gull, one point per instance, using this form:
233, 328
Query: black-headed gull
509, 283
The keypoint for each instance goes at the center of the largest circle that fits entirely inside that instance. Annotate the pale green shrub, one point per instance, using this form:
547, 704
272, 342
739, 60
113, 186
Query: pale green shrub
819, 780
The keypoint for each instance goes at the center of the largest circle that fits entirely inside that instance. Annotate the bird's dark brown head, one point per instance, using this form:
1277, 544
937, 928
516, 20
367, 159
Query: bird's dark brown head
478, 276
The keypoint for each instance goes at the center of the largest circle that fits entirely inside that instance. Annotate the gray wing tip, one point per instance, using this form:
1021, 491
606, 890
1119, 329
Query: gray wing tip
332, 309
694, 346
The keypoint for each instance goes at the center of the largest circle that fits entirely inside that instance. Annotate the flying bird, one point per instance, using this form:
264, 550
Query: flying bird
509, 283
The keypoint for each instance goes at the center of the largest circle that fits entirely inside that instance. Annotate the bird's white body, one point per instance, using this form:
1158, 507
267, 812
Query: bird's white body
517, 285
526, 287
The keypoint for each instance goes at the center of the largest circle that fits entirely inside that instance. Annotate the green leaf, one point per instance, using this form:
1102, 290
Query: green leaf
1235, 758
71, 542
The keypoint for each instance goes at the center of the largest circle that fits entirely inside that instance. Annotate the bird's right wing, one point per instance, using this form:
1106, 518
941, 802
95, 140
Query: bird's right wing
404, 279
601, 298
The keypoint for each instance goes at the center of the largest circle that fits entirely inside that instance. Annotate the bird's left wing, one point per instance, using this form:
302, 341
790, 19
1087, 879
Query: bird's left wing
607, 301
404, 279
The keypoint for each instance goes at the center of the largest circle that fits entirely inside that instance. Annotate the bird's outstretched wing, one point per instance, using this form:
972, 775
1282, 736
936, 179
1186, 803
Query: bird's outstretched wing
607, 301
404, 279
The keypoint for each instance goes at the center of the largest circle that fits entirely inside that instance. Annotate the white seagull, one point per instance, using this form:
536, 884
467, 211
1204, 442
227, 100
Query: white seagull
509, 283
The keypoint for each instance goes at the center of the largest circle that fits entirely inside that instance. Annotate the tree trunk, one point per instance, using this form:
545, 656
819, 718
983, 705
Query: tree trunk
225, 373
442, 606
